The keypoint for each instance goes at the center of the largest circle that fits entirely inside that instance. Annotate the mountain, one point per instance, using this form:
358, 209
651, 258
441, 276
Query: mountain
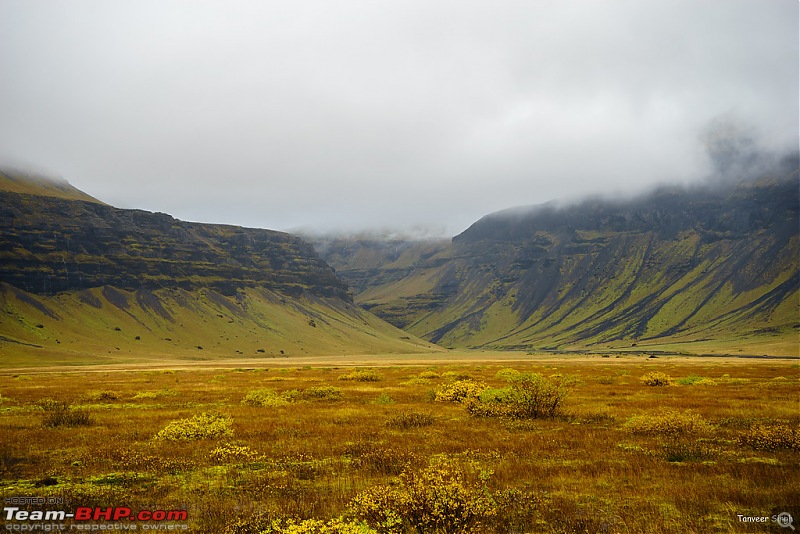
700, 269
82, 277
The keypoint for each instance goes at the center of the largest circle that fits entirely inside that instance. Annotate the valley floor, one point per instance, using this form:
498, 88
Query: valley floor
407, 443
65, 363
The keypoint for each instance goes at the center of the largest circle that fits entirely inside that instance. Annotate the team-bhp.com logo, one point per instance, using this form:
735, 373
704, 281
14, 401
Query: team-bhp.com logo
117, 516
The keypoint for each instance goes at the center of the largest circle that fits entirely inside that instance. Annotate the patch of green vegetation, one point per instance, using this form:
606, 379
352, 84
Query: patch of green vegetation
692, 380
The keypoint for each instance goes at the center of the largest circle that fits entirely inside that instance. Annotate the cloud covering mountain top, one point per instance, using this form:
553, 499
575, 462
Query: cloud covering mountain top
353, 115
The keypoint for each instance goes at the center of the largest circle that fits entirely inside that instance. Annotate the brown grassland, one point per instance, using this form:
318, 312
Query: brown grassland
416, 447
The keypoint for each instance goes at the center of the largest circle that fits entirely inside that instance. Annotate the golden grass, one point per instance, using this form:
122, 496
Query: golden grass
623, 456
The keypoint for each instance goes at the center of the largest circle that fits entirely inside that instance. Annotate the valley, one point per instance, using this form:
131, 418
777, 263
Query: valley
622, 367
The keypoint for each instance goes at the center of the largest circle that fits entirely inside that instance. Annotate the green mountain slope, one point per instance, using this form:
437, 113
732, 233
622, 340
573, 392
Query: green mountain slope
83, 281
703, 269
109, 325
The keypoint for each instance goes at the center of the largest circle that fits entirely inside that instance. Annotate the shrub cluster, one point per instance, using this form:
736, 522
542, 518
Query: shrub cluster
443, 497
656, 378
362, 375
667, 422
202, 426
536, 396
264, 397
771, 437
458, 391
531, 396
263, 525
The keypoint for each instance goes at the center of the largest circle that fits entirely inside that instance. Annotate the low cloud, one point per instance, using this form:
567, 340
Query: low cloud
354, 116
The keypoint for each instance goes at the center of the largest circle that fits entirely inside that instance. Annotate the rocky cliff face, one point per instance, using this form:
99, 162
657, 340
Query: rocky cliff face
50, 244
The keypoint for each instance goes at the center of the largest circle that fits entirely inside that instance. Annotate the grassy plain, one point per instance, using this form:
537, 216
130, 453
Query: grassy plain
314, 439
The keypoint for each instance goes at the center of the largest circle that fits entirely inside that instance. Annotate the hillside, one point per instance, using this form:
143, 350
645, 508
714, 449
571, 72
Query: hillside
109, 325
17, 181
81, 280
701, 269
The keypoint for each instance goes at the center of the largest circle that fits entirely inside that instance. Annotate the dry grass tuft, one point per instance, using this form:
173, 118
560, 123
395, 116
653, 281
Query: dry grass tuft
407, 419
58, 413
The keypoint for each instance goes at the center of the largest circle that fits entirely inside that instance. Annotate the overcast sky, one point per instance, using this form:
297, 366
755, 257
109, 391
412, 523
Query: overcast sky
356, 114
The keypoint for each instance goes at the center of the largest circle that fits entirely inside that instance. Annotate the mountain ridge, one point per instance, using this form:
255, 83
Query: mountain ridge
51, 244
675, 266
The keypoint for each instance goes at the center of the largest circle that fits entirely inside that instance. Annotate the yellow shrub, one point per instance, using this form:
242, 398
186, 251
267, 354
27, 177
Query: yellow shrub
264, 397
381, 507
459, 391
667, 422
444, 497
362, 375
656, 378
202, 426
306, 526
